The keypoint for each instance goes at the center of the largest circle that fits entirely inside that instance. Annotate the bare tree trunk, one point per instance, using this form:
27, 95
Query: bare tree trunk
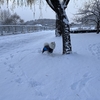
58, 32
65, 29
98, 25
67, 49
58, 27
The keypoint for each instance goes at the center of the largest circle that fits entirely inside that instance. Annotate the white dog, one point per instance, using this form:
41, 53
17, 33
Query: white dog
49, 47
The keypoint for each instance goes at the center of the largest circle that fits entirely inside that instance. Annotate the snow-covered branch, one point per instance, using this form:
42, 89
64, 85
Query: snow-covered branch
91, 13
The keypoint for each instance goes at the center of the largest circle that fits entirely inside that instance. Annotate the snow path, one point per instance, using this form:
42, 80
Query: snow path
27, 74
19, 41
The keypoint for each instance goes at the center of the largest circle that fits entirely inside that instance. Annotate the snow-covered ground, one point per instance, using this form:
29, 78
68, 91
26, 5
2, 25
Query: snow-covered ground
27, 74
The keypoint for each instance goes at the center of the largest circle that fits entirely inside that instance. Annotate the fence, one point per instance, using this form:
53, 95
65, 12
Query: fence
83, 31
17, 29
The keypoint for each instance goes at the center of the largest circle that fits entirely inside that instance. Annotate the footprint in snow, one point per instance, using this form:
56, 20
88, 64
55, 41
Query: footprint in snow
33, 83
95, 50
11, 69
81, 83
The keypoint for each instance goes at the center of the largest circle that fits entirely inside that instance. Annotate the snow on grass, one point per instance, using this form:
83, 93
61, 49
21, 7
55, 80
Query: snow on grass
27, 74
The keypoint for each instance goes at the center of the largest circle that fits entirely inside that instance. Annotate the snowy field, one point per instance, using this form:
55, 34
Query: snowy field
27, 74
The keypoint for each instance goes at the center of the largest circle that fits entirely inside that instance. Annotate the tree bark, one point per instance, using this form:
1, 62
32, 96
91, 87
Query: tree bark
66, 41
58, 27
58, 32
98, 25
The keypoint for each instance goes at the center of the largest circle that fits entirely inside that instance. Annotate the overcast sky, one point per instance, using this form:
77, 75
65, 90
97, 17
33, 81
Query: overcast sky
46, 12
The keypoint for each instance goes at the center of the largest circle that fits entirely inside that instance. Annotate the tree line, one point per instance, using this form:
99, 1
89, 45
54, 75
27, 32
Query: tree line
7, 18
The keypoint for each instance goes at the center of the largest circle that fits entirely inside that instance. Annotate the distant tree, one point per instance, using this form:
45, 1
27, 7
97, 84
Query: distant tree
4, 14
14, 20
7, 21
21, 21
90, 13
